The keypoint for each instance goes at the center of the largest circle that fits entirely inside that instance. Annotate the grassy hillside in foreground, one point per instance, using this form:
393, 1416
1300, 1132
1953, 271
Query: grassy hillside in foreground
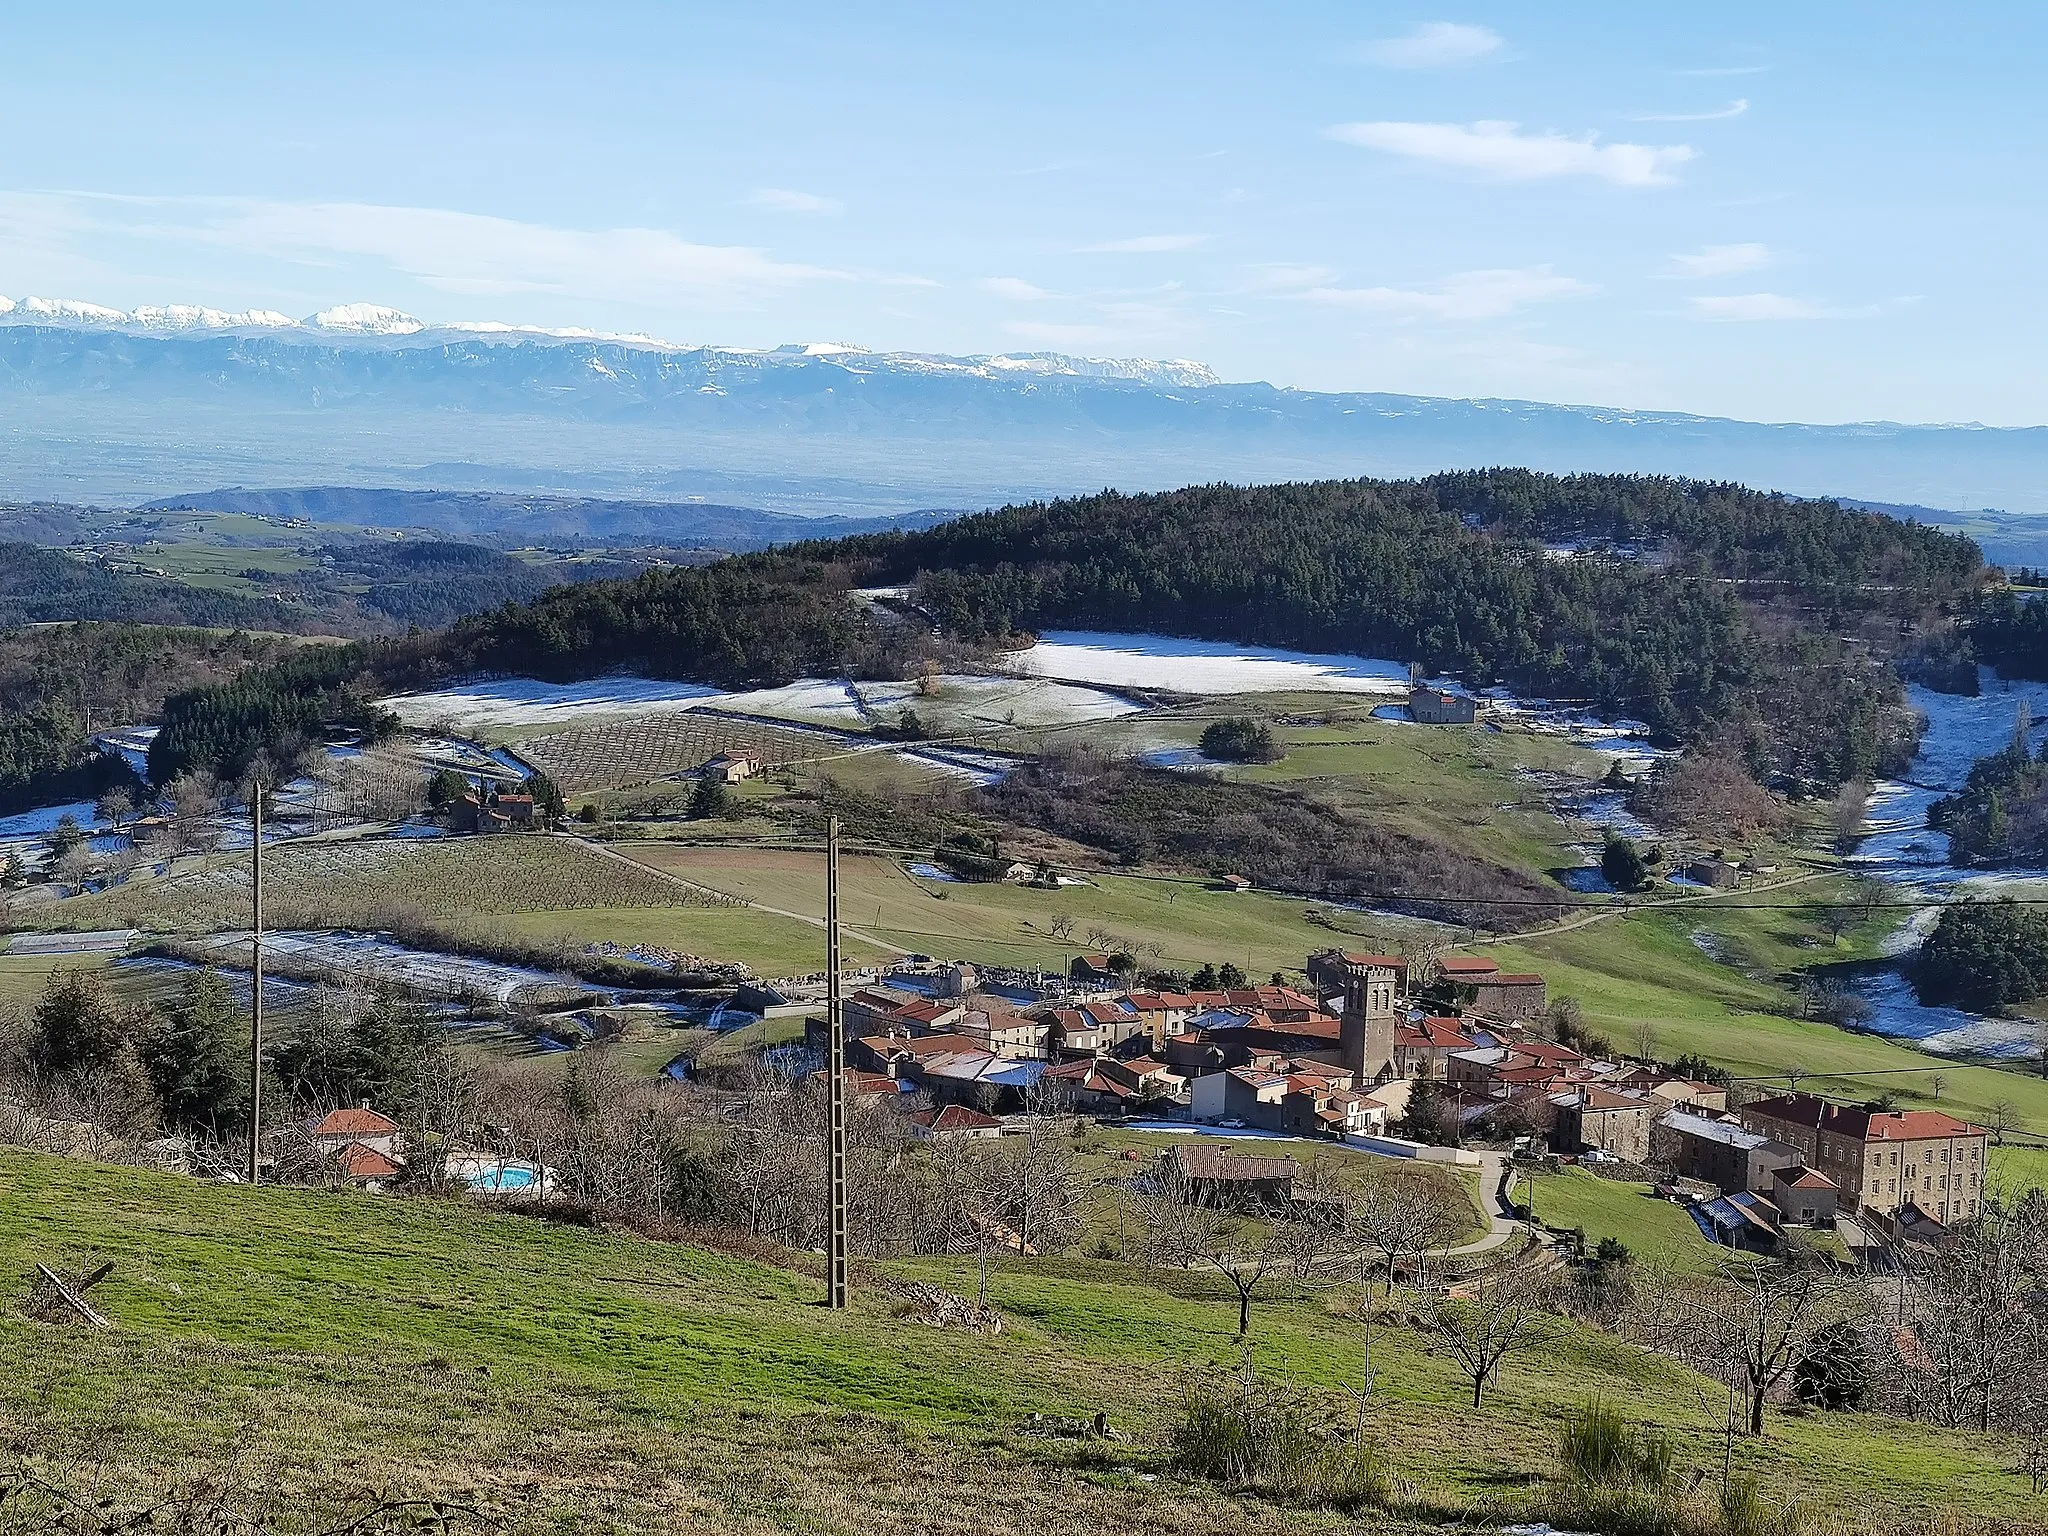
311, 1345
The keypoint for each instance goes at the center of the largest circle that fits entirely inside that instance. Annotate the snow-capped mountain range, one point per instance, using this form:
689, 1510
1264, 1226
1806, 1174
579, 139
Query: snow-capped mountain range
376, 323
109, 405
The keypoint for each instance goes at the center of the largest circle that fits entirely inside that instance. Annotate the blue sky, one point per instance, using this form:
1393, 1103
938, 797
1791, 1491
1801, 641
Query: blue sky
1819, 212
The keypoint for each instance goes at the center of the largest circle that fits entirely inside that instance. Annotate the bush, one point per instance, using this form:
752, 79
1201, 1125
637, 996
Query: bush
1268, 1442
1597, 1445
1622, 863
1240, 739
1746, 1512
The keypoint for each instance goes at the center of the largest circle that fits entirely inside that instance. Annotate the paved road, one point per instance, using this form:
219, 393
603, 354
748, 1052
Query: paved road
1501, 1226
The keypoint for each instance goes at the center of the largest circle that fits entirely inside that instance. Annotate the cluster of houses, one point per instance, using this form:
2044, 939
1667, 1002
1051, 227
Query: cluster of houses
1342, 1056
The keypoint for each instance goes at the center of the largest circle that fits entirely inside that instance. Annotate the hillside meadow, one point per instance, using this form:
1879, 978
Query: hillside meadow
297, 1347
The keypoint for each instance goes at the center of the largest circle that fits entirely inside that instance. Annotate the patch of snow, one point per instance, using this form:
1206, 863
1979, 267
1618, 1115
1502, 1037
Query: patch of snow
514, 701
1895, 1012
1201, 666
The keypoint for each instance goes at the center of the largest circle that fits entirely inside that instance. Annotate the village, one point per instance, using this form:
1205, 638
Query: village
1432, 1058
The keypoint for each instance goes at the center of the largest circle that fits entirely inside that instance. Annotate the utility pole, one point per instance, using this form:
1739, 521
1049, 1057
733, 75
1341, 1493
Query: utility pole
256, 972
835, 1069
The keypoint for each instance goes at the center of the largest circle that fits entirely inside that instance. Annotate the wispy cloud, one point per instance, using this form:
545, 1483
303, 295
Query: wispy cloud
1014, 288
1435, 45
1140, 245
1283, 275
451, 251
1722, 260
1734, 108
1778, 306
1497, 151
786, 200
1488, 294
1724, 72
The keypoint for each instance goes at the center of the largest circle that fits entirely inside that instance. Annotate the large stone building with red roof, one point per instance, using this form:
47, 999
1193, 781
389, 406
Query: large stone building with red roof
1883, 1159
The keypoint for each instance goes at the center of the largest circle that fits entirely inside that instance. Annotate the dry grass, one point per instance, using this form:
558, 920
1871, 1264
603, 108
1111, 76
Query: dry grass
341, 885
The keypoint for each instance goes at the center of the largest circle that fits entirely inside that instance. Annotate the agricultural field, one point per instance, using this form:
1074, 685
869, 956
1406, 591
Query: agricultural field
306, 1345
1165, 921
347, 884
655, 746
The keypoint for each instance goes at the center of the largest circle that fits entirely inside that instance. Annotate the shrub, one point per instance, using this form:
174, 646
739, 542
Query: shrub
1240, 739
1745, 1511
1597, 1445
1269, 1442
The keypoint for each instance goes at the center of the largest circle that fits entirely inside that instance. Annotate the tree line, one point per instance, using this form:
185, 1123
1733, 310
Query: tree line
1730, 619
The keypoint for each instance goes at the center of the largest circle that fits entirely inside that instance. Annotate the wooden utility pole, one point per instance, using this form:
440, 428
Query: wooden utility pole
256, 973
835, 1071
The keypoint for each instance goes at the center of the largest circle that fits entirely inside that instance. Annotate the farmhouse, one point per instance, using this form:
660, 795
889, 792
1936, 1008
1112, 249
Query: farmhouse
338, 1129
730, 767
1439, 706
488, 811
1209, 1175
1594, 1117
1729, 1156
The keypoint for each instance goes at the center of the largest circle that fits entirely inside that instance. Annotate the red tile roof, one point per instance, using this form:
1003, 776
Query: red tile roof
1863, 1124
1438, 1033
956, 1117
357, 1161
1466, 965
354, 1122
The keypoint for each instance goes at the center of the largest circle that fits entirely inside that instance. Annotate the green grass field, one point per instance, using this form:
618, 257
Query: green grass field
305, 1346
1190, 922
1652, 1229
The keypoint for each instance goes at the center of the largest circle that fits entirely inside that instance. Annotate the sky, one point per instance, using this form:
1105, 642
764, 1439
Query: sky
1815, 212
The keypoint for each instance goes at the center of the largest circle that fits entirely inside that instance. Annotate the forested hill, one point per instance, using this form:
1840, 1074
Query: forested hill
1718, 612
39, 586
1695, 606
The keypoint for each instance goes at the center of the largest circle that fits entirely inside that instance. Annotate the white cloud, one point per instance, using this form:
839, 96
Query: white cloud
1734, 108
1288, 274
1140, 245
449, 251
1774, 306
1481, 295
1014, 288
1435, 45
784, 200
1497, 151
1722, 260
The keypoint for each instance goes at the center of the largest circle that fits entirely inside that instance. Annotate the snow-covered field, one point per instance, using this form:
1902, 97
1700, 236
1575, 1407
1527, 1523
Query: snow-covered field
380, 959
1200, 666
1901, 850
512, 701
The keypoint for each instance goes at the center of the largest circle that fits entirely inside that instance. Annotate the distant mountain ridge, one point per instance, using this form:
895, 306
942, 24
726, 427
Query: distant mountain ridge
130, 406
512, 520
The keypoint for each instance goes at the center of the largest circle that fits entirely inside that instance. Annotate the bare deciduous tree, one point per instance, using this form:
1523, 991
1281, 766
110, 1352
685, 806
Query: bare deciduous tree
1499, 1317
1753, 1321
